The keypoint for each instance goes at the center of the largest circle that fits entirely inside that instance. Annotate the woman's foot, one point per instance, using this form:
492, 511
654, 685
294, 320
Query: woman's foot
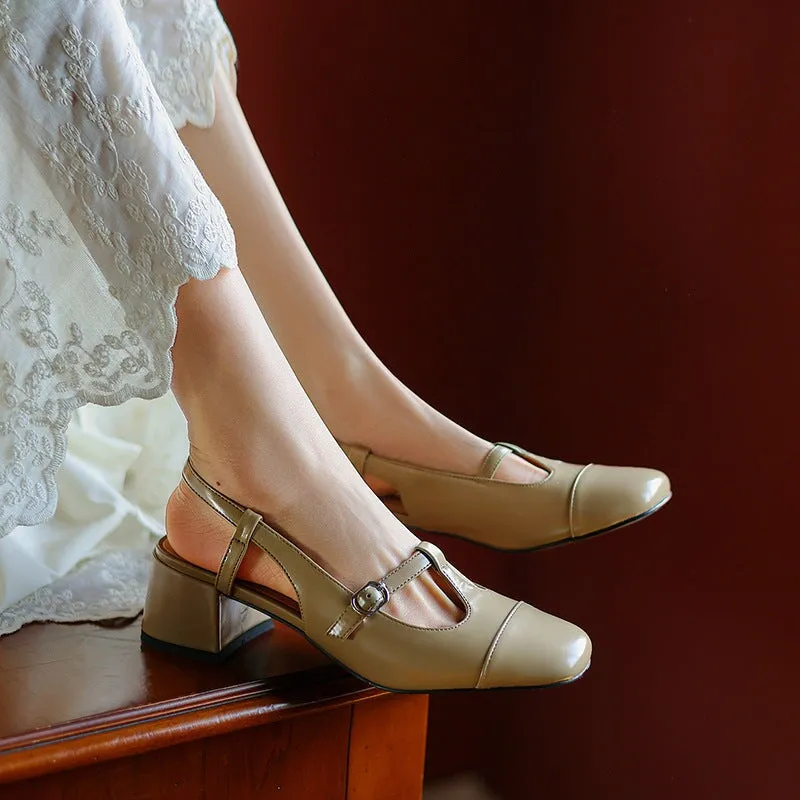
345, 530
256, 437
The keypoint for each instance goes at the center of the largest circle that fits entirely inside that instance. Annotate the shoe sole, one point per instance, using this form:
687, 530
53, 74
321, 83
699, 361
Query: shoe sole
560, 543
203, 655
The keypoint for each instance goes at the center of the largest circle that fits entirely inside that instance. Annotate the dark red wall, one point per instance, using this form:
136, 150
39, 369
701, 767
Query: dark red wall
575, 225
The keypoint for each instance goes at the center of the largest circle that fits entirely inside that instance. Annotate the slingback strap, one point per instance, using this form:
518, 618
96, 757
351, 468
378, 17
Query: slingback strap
493, 460
358, 456
225, 507
373, 596
245, 520
232, 560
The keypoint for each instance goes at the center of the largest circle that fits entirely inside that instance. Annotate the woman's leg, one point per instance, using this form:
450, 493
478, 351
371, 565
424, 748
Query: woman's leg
358, 398
255, 435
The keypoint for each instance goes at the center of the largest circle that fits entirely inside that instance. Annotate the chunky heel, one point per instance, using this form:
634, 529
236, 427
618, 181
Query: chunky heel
186, 615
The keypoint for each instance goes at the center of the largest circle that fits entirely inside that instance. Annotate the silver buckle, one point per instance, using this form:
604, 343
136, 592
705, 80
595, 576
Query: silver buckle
370, 598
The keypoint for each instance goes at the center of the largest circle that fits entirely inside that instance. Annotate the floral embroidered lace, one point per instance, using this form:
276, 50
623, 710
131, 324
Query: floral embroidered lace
103, 215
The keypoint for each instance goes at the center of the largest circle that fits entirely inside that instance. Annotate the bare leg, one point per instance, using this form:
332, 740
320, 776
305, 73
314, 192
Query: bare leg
356, 395
254, 434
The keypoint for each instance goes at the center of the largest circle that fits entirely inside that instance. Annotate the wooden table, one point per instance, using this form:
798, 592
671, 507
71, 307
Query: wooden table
85, 713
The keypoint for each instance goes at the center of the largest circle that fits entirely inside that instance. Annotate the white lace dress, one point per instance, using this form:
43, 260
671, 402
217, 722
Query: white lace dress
103, 216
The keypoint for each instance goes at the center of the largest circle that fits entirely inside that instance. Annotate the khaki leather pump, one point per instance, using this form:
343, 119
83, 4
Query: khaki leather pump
573, 502
498, 642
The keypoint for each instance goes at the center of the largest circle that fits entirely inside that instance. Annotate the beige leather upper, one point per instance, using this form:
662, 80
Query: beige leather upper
499, 642
571, 502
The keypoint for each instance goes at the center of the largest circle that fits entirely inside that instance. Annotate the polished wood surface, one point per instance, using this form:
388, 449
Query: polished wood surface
54, 675
89, 699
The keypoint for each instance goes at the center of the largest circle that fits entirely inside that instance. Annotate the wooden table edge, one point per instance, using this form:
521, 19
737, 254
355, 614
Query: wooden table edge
104, 737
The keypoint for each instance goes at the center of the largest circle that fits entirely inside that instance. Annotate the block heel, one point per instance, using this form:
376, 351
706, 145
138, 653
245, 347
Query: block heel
187, 616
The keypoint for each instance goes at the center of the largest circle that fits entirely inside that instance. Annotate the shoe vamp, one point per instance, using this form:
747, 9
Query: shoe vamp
390, 652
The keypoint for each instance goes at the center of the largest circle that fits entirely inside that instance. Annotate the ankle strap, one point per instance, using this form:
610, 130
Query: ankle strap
374, 595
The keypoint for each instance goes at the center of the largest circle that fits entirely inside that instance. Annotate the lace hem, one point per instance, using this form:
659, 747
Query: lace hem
109, 586
110, 217
45, 486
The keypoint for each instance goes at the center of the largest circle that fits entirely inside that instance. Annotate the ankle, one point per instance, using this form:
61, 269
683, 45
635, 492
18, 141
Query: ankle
265, 478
